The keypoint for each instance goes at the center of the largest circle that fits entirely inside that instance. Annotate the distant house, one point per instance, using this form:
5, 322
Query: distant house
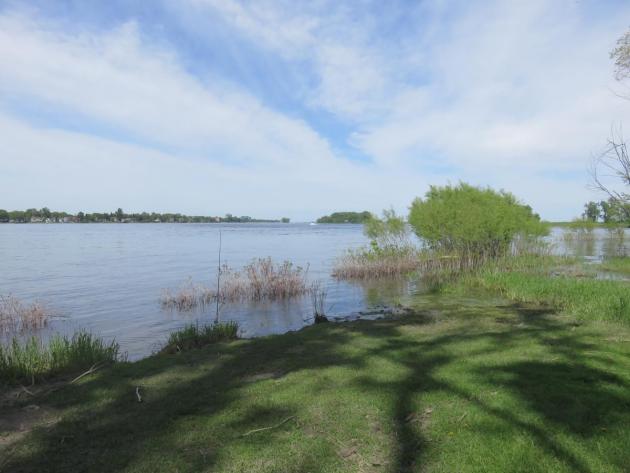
36, 220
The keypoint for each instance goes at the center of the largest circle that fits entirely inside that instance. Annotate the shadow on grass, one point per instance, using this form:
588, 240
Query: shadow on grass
106, 429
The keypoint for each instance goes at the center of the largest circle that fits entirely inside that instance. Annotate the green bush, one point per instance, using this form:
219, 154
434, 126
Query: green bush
196, 336
389, 234
33, 360
474, 221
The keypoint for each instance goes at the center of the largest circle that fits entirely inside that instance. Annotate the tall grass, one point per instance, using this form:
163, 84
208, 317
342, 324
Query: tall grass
261, 279
319, 294
375, 262
368, 263
34, 360
196, 336
545, 280
16, 317
618, 264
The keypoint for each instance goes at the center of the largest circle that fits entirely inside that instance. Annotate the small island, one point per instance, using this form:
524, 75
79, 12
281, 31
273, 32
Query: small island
345, 217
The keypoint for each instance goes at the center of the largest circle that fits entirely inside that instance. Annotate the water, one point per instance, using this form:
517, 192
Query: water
108, 278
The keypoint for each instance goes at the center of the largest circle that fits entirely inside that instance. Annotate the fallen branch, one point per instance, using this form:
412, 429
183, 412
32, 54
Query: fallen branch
268, 428
90, 371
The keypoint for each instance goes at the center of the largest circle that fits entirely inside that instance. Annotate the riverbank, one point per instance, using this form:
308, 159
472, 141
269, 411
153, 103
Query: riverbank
464, 383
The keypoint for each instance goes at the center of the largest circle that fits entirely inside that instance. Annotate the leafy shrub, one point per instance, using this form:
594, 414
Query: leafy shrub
469, 220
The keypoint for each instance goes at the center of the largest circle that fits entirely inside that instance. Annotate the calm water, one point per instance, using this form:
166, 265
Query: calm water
108, 278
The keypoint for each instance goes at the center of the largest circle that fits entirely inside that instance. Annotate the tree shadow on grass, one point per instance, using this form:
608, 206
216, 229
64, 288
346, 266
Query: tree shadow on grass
108, 430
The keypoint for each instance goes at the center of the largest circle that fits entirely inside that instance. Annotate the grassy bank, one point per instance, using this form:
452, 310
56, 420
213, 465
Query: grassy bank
33, 360
468, 387
617, 265
197, 336
551, 281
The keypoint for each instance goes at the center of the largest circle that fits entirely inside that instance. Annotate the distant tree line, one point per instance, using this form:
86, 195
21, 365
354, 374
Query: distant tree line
345, 217
45, 215
611, 211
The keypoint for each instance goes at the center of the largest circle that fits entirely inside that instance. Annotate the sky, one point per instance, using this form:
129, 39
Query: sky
300, 108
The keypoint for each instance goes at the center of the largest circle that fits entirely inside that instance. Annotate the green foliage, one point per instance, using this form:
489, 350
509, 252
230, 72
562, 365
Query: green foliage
387, 233
34, 360
582, 225
591, 211
472, 220
345, 217
196, 336
4, 215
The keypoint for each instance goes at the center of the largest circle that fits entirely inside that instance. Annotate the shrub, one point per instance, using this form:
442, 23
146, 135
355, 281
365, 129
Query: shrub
469, 220
33, 360
196, 336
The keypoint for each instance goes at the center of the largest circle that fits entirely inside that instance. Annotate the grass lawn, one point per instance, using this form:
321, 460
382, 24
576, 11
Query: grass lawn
469, 386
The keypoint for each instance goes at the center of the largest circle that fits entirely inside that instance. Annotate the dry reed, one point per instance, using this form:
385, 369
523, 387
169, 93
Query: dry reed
16, 317
261, 279
373, 264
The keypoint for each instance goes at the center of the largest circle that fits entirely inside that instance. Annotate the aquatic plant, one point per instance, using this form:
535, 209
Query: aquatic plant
261, 279
188, 297
17, 317
368, 263
33, 360
318, 294
196, 336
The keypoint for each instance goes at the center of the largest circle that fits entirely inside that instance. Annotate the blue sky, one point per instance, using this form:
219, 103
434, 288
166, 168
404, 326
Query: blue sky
284, 108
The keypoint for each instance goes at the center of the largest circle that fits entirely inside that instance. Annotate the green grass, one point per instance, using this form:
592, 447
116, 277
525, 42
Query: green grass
34, 360
196, 336
551, 281
466, 385
617, 265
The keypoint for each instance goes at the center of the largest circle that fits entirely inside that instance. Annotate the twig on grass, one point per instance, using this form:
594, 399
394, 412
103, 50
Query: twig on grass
94, 367
268, 428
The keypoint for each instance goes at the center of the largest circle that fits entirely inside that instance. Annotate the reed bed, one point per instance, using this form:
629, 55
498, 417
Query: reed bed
196, 336
261, 279
370, 264
377, 262
33, 360
188, 297
17, 317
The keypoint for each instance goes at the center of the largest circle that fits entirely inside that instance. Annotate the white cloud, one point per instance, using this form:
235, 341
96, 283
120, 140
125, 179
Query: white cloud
511, 94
